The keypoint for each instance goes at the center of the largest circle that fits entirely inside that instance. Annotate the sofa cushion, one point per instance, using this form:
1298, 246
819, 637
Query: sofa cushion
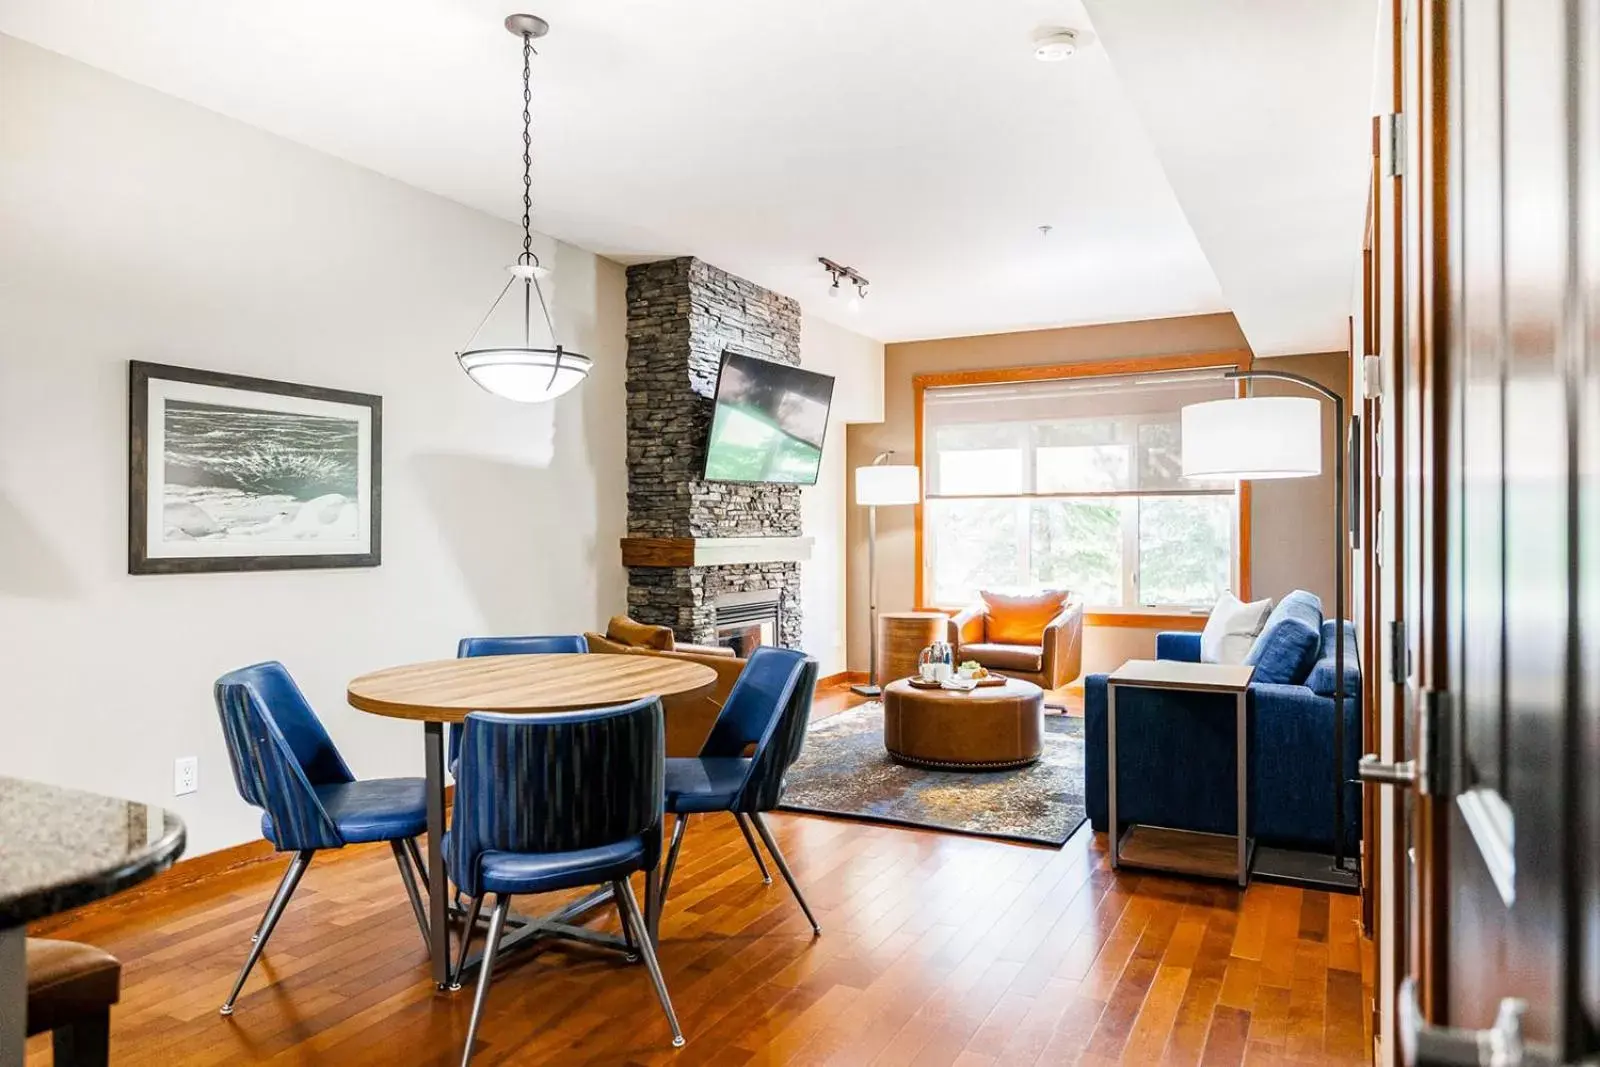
1020, 620
1005, 657
1322, 675
626, 631
1232, 628
1287, 648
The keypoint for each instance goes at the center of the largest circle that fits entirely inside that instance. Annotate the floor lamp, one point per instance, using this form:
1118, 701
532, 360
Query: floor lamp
1257, 437
883, 484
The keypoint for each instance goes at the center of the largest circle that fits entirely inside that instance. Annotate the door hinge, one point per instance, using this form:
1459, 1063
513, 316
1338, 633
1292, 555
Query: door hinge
1392, 145
1399, 653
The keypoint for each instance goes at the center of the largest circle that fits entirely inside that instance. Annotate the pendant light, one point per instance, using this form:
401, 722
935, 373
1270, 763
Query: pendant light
527, 373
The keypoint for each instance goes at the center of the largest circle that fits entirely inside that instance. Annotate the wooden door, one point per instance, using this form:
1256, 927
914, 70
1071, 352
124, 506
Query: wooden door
1500, 398
1515, 834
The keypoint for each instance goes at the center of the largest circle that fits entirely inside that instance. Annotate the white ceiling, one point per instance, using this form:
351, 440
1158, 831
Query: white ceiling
1260, 111
915, 140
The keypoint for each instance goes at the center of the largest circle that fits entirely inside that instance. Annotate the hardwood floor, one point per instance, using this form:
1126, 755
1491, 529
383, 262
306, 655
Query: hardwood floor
936, 949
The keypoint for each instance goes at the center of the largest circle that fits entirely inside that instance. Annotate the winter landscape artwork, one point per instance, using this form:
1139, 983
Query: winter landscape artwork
229, 473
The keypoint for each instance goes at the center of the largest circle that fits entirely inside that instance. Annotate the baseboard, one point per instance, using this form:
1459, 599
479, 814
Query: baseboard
842, 678
180, 875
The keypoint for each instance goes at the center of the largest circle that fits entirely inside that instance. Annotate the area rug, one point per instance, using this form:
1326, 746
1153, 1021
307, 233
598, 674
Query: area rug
844, 770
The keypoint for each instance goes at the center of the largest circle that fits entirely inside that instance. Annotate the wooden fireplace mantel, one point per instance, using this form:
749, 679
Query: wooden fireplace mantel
713, 551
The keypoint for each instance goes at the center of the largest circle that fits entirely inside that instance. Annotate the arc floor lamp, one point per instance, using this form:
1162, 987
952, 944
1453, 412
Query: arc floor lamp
1259, 437
881, 484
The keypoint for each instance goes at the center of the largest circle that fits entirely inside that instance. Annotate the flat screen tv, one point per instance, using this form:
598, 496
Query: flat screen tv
769, 422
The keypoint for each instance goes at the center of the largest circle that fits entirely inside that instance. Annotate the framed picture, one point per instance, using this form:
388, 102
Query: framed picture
228, 473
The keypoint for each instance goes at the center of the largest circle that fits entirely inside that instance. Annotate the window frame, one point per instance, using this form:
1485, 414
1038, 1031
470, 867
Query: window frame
1225, 360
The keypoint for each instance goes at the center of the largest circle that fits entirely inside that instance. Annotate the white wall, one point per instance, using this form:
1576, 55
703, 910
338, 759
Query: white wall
857, 364
135, 226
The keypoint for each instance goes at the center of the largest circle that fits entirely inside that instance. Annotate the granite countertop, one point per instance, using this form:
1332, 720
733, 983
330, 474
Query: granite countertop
60, 848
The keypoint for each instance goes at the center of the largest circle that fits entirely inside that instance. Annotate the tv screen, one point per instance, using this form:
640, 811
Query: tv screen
769, 422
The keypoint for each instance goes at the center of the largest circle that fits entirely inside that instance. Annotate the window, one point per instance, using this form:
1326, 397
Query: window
1074, 484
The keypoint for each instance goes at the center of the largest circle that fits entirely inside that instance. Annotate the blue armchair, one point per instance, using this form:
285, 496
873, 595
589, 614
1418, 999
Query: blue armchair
552, 802
740, 770
471, 647
285, 763
1175, 750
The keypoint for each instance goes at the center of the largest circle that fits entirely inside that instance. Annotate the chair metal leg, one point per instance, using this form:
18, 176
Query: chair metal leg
466, 941
749, 839
652, 904
497, 922
624, 893
416, 861
280, 900
679, 825
783, 868
409, 877
628, 934
84, 1042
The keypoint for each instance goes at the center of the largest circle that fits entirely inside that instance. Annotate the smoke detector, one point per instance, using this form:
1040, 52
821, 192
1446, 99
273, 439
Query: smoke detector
1054, 45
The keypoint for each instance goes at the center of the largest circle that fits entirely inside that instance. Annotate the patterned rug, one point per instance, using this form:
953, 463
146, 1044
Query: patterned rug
845, 771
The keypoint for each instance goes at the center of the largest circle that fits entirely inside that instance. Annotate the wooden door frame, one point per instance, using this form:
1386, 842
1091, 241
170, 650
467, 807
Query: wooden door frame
1431, 341
1391, 421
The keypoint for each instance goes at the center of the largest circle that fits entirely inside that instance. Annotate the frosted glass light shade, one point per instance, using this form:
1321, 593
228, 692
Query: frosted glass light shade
526, 375
1253, 437
889, 483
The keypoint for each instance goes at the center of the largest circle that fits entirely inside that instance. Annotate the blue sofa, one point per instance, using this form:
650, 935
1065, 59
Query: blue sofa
1175, 750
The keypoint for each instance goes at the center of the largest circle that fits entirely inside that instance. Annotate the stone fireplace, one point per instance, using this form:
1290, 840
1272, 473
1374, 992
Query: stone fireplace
701, 556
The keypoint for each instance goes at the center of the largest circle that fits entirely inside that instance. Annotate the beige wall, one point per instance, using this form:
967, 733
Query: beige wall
1291, 521
213, 244
856, 363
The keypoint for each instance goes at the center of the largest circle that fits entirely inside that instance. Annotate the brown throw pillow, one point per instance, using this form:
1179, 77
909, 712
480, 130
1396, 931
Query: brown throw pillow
1020, 620
626, 631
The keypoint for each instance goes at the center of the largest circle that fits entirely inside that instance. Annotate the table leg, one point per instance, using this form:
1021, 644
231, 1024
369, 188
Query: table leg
1243, 791
13, 994
438, 885
1111, 771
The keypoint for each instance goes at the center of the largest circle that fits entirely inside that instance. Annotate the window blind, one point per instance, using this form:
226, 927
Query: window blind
1091, 436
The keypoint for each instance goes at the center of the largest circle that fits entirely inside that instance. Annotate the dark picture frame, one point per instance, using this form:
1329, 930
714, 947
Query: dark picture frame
252, 474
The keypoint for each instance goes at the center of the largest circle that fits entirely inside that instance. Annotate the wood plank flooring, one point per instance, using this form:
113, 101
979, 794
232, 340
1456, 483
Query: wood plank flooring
936, 949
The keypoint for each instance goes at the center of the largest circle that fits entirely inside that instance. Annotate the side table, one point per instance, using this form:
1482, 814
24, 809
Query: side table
902, 635
1181, 851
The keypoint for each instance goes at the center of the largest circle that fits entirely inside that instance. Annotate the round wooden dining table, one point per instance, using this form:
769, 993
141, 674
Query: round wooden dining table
444, 691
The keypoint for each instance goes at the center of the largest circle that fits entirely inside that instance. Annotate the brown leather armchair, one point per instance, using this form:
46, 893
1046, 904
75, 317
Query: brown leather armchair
1057, 660
688, 719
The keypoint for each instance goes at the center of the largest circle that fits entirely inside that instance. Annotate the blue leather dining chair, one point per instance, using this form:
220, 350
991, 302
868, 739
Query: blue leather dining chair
469, 647
285, 763
768, 708
551, 802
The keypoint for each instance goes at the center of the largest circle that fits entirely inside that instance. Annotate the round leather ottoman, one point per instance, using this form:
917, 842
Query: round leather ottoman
990, 728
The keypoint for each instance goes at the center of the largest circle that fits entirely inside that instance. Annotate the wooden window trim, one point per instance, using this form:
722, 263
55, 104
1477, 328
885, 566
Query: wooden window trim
1232, 359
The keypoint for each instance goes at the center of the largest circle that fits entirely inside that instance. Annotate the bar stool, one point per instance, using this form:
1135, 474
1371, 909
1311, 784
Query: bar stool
71, 988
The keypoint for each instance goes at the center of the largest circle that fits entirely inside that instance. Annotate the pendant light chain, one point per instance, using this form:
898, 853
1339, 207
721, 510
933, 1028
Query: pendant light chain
525, 373
527, 152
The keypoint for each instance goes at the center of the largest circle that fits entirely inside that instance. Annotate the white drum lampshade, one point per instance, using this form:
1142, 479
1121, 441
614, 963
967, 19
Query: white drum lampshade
1253, 437
886, 484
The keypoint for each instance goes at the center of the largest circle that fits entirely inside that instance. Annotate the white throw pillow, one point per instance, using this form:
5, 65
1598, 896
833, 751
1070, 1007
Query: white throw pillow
1232, 629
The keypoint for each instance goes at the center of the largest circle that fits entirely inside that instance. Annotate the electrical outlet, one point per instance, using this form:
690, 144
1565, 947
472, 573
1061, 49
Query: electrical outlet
185, 775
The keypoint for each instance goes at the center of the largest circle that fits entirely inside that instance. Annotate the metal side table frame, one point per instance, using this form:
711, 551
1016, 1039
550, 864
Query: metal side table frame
1189, 677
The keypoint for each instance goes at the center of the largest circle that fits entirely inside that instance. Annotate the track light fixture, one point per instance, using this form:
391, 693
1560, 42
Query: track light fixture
838, 272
